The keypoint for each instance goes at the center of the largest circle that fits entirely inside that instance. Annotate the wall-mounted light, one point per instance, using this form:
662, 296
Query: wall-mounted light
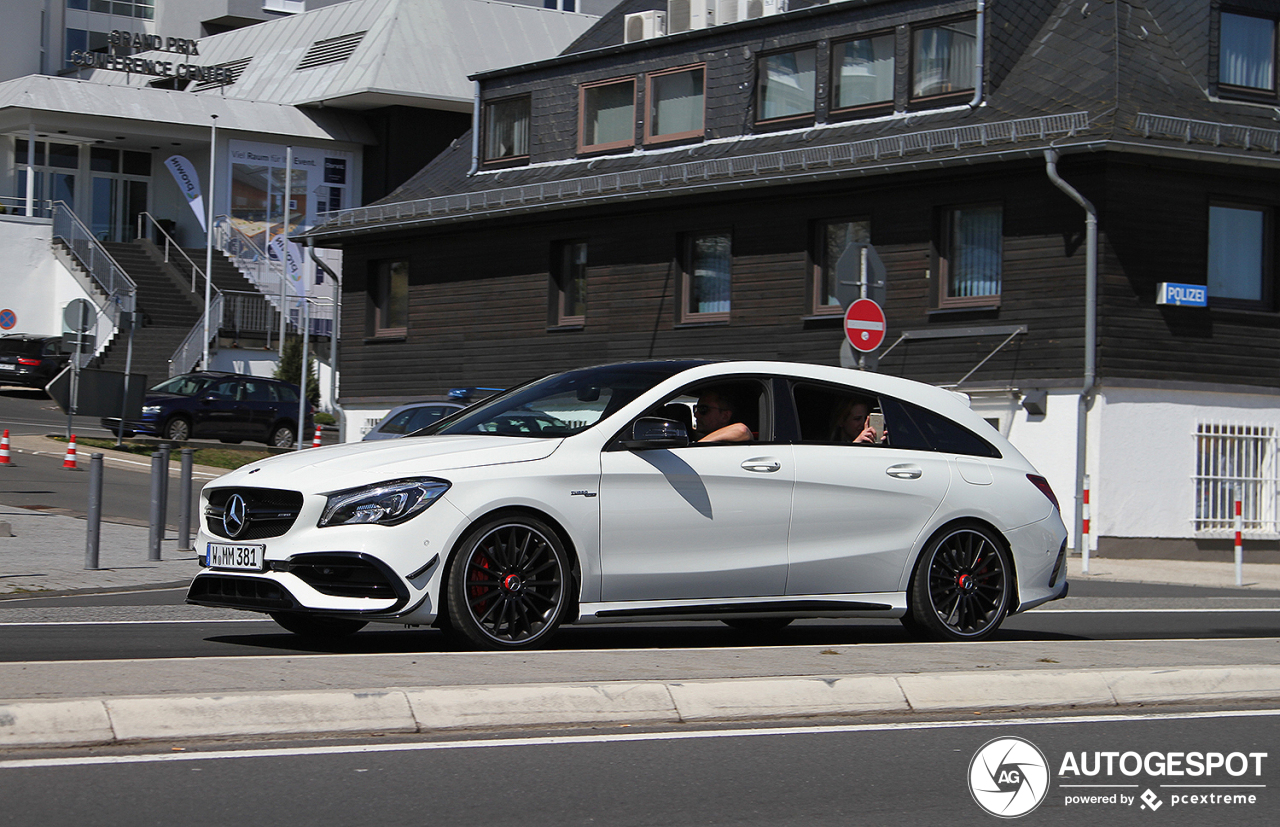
1035, 402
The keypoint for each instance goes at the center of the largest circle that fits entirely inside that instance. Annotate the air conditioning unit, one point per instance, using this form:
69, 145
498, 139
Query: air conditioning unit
644, 25
685, 15
729, 11
751, 9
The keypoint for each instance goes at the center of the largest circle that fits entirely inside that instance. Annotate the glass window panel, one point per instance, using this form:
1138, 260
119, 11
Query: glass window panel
1236, 253
103, 6
508, 135
975, 252
786, 84
864, 71
836, 237
137, 163
78, 4
573, 281
66, 156
393, 296
1247, 56
104, 160
944, 59
677, 103
710, 274
609, 114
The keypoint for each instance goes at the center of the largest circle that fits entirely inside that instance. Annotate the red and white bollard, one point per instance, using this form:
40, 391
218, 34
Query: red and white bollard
315, 443
69, 461
4, 448
1084, 527
1239, 545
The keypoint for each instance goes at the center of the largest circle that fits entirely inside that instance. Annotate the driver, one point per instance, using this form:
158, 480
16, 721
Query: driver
717, 418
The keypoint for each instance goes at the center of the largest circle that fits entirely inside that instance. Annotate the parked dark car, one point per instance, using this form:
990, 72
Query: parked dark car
231, 407
30, 361
409, 418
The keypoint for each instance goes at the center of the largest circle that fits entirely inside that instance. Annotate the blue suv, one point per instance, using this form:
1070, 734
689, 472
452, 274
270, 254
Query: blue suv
231, 407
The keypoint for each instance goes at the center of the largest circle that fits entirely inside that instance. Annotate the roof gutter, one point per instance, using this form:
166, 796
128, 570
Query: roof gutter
475, 131
1090, 346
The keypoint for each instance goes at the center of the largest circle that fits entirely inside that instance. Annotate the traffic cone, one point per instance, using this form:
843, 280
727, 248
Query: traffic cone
4, 448
315, 443
70, 460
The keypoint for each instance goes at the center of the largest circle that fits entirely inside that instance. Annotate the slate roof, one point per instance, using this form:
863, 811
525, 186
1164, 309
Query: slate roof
1103, 76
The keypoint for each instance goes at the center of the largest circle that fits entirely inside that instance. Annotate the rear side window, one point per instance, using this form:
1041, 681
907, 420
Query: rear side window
912, 426
286, 393
20, 347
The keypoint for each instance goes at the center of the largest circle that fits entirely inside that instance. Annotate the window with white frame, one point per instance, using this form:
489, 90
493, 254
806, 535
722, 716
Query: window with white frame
1235, 462
1247, 52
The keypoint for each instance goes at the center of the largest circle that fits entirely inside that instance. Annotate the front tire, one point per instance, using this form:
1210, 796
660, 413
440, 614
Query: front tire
961, 587
177, 430
509, 584
282, 436
316, 627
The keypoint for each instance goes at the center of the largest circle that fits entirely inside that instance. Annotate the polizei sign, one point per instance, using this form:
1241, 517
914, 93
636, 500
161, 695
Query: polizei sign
151, 65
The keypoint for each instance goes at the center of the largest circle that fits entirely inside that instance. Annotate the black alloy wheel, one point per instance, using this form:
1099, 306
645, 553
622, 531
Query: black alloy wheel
177, 429
508, 584
961, 586
318, 627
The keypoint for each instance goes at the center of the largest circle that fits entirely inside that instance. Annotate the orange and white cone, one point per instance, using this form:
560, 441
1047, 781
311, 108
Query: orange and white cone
4, 448
315, 443
70, 460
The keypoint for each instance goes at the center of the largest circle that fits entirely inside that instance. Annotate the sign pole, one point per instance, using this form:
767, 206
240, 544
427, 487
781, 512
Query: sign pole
208, 240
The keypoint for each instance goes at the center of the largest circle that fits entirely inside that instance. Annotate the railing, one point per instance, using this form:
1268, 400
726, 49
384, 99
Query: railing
248, 257
17, 205
109, 276
191, 350
245, 312
170, 245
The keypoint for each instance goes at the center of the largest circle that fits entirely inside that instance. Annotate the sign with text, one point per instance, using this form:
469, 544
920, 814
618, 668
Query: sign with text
1182, 295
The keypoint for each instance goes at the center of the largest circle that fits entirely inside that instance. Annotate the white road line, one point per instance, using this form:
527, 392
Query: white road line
621, 737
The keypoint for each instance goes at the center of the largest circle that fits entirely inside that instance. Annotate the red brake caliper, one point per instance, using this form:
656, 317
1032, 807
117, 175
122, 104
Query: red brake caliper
478, 578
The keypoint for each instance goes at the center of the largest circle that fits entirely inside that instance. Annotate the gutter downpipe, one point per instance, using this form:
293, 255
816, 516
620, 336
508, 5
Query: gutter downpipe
979, 79
333, 338
1090, 345
475, 130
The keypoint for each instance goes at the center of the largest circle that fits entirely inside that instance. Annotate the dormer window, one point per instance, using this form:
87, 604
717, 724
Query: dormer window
607, 115
944, 59
676, 104
507, 129
862, 72
1247, 55
785, 85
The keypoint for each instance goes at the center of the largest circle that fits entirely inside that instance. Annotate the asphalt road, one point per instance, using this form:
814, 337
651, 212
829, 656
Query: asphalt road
867, 772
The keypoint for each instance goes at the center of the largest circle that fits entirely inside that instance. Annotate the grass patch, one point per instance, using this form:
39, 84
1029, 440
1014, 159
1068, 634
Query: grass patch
229, 458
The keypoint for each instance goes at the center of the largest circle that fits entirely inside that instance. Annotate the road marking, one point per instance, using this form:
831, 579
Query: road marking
619, 737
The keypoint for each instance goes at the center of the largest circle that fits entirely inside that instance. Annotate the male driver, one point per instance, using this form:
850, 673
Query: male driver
717, 418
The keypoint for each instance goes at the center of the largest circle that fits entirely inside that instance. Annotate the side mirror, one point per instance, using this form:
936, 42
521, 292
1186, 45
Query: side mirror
651, 432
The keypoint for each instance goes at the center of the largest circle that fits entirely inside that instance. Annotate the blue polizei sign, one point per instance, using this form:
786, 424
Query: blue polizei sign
1182, 295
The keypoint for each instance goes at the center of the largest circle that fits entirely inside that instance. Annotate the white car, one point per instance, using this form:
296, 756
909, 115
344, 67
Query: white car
583, 497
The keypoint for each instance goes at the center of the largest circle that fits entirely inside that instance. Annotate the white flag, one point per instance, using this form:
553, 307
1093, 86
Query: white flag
292, 263
189, 183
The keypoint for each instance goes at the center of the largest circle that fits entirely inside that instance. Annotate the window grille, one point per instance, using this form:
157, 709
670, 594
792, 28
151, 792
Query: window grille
1235, 461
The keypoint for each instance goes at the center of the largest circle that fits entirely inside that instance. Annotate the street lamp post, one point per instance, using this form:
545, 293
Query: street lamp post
208, 240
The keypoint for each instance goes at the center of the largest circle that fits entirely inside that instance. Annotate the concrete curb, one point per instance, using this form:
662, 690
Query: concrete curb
436, 709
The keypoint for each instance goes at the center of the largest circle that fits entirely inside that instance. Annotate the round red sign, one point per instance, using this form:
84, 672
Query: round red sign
864, 325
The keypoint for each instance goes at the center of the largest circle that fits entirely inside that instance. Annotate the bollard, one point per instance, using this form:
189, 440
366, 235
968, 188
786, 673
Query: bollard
158, 480
94, 531
184, 500
1239, 544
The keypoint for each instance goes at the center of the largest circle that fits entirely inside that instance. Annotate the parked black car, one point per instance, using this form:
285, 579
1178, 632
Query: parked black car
30, 361
231, 407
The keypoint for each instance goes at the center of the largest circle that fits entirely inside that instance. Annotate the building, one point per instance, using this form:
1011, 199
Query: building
357, 95
1031, 174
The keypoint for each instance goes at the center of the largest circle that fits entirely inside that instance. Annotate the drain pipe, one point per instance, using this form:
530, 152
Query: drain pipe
979, 70
333, 338
475, 130
1090, 344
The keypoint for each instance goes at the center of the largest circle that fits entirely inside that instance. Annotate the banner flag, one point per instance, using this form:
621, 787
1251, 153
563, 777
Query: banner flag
189, 183
292, 263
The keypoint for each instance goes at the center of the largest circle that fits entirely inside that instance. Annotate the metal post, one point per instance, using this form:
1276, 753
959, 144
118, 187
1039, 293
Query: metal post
302, 376
284, 248
184, 501
158, 480
1239, 544
208, 242
94, 531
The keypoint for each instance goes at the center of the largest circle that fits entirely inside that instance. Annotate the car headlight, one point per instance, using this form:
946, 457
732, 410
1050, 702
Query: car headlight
150, 410
385, 503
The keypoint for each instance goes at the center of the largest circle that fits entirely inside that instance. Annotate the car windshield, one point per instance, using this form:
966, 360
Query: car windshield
182, 385
559, 405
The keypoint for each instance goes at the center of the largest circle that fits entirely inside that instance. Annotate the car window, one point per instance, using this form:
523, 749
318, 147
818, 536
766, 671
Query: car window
226, 389
182, 385
286, 393
916, 427
748, 397
398, 424
827, 414
256, 391
420, 418
53, 347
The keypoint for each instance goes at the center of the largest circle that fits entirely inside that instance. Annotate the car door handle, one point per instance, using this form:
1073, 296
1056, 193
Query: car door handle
904, 472
761, 465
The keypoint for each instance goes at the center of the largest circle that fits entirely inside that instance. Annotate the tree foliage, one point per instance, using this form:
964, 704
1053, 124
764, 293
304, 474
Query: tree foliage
290, 368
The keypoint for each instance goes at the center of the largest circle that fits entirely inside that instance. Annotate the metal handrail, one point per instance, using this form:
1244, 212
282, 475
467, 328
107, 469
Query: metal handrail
109, 276
248, 257
169, 241
192, 348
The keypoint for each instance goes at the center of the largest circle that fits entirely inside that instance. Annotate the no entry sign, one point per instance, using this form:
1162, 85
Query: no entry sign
864, 325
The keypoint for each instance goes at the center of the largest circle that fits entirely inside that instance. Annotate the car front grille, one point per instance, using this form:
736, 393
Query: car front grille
239, 593
343, 575
270, 512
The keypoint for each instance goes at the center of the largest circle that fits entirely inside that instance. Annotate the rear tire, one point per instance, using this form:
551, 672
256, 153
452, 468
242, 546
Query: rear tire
317, 627
962, 586
282, 436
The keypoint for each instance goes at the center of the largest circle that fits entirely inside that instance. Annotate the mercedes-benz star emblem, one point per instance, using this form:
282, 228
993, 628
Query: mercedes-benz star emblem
236, 518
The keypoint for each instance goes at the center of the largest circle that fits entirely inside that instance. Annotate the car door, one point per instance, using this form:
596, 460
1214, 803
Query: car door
859, 508
219, 413
259, 402
703, 521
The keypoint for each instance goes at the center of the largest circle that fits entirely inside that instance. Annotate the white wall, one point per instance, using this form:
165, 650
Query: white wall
36, 287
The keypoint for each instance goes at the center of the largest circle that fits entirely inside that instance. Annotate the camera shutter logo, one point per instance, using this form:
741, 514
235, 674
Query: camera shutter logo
1008, 777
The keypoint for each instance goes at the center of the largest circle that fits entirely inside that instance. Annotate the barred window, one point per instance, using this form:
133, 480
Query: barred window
1235, 462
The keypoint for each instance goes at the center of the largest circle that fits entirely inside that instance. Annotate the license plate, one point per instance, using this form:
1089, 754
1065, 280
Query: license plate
7, 366
242, 557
